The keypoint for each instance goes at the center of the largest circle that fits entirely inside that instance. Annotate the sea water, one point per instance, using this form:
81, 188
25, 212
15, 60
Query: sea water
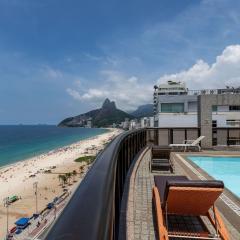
21, 141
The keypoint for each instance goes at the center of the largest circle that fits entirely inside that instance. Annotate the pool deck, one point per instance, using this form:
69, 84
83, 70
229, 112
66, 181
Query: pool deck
229, 203
137, 221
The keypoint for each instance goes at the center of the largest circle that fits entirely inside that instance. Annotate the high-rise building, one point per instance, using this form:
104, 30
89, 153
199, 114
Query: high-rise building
177, 106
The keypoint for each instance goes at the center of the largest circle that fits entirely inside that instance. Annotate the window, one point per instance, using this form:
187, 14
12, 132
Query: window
192, 107
234, 108
214, 123
172, 107
214, 131
234, 122
214, 108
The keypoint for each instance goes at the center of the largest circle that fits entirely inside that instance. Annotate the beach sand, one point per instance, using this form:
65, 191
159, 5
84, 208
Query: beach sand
15, 179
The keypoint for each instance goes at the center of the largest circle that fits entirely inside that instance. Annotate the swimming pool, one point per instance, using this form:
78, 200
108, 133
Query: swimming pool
226, 169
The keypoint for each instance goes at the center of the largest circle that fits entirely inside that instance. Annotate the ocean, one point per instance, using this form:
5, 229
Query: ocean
20, 142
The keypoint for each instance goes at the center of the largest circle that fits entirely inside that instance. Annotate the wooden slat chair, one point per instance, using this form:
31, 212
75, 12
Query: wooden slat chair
160, 159
181, 206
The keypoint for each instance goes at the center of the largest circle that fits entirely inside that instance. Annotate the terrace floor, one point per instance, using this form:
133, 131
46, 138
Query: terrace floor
137, 215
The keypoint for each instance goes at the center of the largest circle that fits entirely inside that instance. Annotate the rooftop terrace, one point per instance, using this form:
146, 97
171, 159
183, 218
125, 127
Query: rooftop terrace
114, 201
137, 221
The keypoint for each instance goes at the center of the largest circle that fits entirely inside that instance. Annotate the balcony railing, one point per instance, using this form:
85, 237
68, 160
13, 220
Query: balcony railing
221, 136
166, 136
203, 92
94, 209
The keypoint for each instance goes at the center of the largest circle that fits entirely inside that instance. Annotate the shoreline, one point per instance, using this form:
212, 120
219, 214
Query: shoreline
18, 178
56, 148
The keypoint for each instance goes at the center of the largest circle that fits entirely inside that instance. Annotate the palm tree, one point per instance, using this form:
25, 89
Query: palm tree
64, 179
81, 168
60, 178
74, 173
68, 176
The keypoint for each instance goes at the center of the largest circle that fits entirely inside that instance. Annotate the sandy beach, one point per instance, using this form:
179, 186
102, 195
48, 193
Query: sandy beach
17, 179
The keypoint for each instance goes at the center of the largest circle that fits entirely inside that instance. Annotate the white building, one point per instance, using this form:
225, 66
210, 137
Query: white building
176, 106
134, 124
144, 122
89, 123
126, 123
147, 122
151, 122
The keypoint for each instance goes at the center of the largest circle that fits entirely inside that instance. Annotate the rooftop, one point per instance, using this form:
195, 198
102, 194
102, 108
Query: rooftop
181, 88
114, 201
137, 220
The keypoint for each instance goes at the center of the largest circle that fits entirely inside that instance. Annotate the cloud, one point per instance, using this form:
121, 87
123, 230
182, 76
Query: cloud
75, 94
93, 57
128, 92
224, 71
52, 73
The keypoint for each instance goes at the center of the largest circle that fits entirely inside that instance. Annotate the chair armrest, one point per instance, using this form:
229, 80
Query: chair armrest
188, 141
162, 231
220, 224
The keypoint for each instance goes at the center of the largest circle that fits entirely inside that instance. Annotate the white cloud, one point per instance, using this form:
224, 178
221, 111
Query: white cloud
52, 73
93, 57
224, 71
128, 92
75, 94
93, 93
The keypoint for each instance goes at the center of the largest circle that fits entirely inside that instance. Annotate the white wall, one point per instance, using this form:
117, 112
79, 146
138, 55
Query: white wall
190, 119
142, 122
151, 121
177, 120
224, 116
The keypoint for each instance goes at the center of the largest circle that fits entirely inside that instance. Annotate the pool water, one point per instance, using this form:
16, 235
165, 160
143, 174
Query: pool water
226, 169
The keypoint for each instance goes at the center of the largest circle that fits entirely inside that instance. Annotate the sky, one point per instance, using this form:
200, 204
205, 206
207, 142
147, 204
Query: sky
63, 58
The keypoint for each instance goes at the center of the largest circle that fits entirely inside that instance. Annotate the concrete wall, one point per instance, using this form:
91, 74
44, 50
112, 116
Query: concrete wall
205, 112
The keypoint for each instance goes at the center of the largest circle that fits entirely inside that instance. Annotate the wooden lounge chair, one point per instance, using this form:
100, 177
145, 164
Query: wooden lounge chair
182, 204
160, 159
189, 144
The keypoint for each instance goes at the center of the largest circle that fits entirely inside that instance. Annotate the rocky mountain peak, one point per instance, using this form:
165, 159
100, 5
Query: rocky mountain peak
107, 104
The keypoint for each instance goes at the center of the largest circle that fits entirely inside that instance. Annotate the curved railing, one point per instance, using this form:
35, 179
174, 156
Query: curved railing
94, 210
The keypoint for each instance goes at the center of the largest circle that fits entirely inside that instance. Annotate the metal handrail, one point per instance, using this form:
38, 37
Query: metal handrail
94, 209
93, 212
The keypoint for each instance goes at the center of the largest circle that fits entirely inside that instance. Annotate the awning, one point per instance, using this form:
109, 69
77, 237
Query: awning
22, 221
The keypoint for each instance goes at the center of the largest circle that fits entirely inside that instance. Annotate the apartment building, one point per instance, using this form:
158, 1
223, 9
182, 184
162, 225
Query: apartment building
177, 106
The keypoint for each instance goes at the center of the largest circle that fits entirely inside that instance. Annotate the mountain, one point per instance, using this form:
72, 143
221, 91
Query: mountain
102, 117
143, 111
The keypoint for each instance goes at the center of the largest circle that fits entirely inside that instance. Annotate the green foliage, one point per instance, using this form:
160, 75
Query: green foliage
87, 159
62, 179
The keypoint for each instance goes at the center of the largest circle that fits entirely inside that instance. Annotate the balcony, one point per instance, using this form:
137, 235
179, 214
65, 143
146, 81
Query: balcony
114, 201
